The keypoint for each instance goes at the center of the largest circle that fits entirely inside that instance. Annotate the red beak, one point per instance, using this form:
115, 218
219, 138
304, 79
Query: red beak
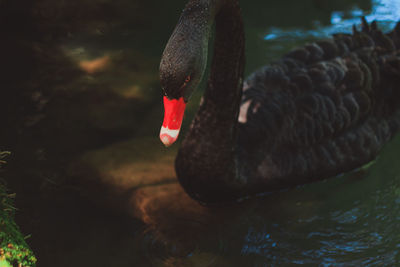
173, 115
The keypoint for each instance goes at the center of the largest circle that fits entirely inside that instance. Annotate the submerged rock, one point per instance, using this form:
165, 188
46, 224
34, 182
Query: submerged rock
117, 170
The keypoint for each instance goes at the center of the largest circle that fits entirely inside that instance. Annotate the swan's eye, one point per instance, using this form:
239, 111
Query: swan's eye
186, 81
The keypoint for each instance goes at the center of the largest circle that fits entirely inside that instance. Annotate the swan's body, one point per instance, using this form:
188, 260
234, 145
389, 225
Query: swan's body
323, 109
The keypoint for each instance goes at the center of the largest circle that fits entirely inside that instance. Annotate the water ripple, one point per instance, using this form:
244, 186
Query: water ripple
387, 12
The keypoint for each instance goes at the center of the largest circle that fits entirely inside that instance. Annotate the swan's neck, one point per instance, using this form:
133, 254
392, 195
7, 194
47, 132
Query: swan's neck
225, 81
206, 161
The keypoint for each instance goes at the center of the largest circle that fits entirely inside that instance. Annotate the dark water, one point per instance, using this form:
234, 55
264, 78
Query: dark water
96, 188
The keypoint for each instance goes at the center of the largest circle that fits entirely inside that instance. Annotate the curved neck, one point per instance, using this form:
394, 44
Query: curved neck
207, 154
225, 81
223, 93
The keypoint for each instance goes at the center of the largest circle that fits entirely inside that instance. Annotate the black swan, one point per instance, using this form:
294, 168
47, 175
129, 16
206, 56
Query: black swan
323, 109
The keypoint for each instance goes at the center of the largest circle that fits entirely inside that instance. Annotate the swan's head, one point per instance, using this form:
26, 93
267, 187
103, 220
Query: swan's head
181, 70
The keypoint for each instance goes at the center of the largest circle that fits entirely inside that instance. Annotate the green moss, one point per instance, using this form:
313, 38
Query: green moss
4, 263
14, 251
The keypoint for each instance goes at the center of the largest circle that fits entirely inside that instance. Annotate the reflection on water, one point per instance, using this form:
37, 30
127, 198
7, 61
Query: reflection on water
387, 12
350, 220
88, 133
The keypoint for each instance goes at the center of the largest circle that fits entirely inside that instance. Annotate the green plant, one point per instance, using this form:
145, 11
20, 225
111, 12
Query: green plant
14, 251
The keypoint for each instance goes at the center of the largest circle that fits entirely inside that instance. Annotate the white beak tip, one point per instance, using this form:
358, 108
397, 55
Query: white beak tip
167, 140
167, 136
